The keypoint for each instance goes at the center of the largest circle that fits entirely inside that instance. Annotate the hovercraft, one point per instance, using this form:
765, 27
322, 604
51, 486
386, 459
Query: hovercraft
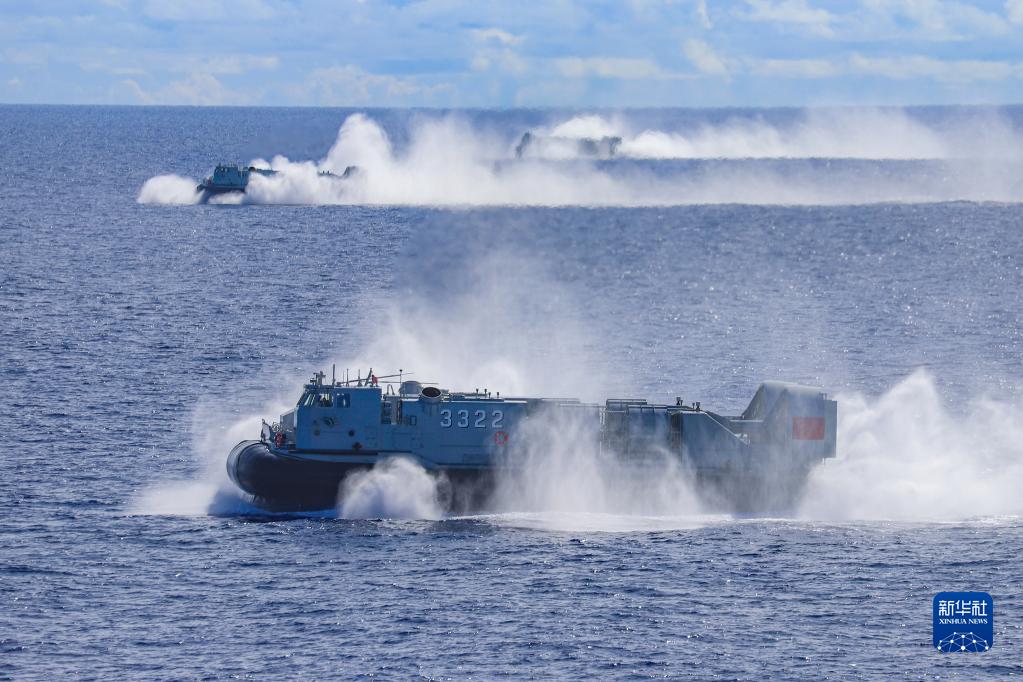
235, 178
230, 178
536, 146
758, 460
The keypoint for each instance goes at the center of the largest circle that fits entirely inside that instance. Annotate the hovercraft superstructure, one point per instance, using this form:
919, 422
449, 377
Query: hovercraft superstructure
231, 178
755, 461
538, 146
235, 178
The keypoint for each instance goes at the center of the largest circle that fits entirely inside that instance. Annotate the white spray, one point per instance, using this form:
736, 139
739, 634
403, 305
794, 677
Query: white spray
396, 488
908, 455
556, 470
214, 432
449, 162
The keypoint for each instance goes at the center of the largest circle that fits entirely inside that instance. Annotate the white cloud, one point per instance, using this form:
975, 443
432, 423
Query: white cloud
350, 85
207, 10
25, 57
897, 68
657, 12
702, 14
704, 58
1014, 11
917, 66
484, 35
202, 88
198, 89
938, 20
137, 91
496, 52
504, 60
229, 64
114, 70
14, 83
608, 67
789, 12
123, 63
794, 68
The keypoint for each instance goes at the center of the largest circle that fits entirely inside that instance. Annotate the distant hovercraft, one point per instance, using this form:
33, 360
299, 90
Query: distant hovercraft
235, 178
533, 145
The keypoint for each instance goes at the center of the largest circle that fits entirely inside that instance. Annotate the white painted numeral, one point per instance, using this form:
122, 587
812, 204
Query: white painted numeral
478, 419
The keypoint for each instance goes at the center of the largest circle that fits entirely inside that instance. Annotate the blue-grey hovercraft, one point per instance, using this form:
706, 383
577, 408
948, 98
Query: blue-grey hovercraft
230, 178
756, 461
535, 145
235, 178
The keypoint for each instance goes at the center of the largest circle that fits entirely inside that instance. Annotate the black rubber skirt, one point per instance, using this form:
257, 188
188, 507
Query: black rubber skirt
286, 483
281, 483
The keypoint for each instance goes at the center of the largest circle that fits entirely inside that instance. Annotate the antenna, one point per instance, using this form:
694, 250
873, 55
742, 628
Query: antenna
333, 374
389, 376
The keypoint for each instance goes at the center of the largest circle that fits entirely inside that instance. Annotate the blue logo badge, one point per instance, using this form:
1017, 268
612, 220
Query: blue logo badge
963, 622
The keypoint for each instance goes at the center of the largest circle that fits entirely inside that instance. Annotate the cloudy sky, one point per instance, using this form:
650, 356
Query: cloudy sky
471, 53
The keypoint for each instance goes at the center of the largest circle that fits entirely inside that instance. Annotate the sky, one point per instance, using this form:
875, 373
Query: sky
473, 53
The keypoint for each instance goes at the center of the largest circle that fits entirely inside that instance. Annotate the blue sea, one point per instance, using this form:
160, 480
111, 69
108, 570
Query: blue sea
874, 253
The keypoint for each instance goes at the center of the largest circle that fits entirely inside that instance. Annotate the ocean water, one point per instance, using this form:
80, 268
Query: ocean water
876, 253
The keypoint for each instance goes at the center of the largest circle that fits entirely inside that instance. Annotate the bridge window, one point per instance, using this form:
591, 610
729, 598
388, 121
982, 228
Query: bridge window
317, 399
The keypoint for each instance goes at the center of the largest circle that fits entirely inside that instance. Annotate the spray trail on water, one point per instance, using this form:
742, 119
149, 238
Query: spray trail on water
872, 156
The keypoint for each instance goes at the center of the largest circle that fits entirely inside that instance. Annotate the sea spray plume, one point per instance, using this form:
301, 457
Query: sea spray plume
297, 183
214, 431
555, 464
856, 133
450, 161
833, 134
474, 312
817, 133
362, 142
395, 488
849, 133
909, 455
587, 126
169, 189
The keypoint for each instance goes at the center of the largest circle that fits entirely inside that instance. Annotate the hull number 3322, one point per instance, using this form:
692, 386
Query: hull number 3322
478, 419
